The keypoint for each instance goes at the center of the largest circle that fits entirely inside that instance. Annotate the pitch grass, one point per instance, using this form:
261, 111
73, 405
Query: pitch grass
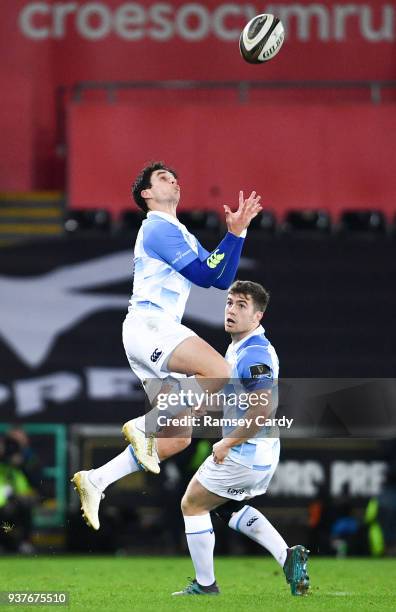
247, 583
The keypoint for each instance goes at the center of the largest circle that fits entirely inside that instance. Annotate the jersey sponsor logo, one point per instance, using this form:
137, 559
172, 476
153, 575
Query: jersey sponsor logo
180, 255
214, 259
251, 521
156, 354
232, 491
260, 370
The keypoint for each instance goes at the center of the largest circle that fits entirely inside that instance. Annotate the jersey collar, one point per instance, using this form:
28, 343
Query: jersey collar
164, 215
256, 332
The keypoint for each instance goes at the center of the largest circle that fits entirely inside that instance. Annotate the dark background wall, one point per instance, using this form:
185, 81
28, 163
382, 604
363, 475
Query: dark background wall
331, 312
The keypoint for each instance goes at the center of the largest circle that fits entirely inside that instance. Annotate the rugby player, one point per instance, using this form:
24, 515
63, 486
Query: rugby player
168, 259
245, 459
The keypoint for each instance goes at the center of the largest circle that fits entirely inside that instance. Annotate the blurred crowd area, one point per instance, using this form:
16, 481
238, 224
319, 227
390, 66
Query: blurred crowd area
144, 516
334, 528
20, 485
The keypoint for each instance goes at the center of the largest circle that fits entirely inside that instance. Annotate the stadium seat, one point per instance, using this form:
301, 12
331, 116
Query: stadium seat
368, 222
264, 222
308, 221
93, 220
199, 220
131, 220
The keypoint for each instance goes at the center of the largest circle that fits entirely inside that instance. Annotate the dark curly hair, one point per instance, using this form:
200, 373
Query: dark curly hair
143, 181
259, 295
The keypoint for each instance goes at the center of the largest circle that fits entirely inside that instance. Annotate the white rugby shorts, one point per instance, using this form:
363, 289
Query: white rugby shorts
236, 481
149, 338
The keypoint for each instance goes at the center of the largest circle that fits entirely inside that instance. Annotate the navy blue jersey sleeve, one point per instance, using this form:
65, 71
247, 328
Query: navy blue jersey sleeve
255, 369
164, 240
218, 267
227, 275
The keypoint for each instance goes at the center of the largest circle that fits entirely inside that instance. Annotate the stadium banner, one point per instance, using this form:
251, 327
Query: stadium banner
309, 468
61, 354
288, 154
178, 39
63, 303
47, 45
62, 361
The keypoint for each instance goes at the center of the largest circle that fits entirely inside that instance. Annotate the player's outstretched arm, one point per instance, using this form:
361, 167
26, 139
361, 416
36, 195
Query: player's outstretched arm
218, 269
238, 221
165, 241
222, 264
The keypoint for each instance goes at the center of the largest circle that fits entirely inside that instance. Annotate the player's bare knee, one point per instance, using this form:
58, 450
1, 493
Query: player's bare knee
167, 447
191, 505
217, 369
177, 445
221, 375
186, 505
183, 443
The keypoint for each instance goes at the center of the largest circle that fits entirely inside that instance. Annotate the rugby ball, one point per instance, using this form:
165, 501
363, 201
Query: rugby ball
261, 39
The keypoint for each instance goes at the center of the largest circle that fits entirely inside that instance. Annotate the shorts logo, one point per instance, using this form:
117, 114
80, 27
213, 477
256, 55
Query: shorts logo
232, 491
251, 521
214, 259
156, 355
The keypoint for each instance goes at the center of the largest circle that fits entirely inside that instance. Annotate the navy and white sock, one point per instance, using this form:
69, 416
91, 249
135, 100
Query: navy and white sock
201, 540
122, 465
254, 524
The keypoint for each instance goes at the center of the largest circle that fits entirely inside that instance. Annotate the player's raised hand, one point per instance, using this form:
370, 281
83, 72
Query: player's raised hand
240, 219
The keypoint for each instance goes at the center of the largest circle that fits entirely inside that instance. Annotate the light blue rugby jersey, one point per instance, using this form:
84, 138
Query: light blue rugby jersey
163, 247
243, 356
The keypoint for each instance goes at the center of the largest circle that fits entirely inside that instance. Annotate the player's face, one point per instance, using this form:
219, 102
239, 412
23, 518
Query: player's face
241, 315
164, 188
